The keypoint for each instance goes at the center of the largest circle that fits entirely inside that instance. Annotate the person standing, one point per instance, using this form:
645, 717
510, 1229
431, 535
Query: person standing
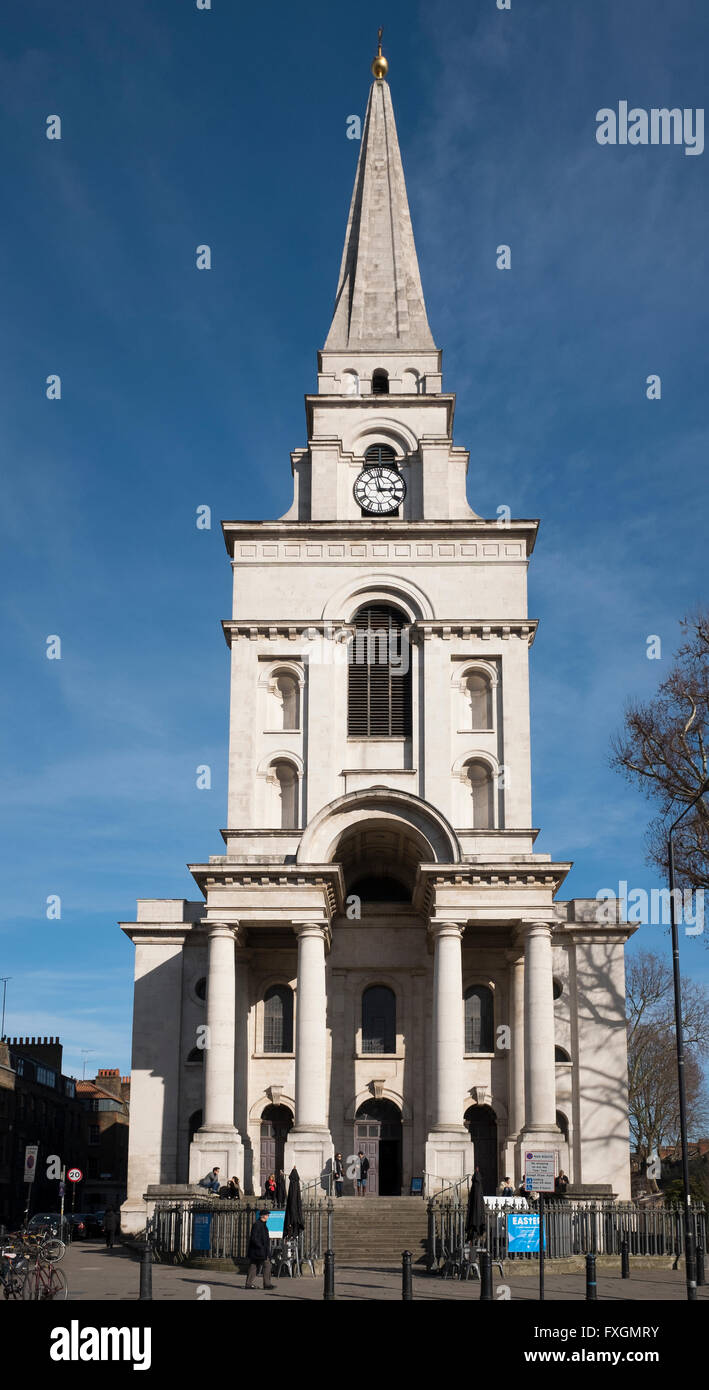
362, 1174
259, 1253
339, 1174
561, 1183
110, 1226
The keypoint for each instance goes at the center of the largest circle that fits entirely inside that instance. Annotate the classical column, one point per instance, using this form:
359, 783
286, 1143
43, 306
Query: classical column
221, 1028
310, 1032
448, 1026
449, 1152
217, 1142
516, 1067
309, 1147
540, 1077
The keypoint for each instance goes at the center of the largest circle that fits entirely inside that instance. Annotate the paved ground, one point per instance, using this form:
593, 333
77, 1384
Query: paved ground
93, 1272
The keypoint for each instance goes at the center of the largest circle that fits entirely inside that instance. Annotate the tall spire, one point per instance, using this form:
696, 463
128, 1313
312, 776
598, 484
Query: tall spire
379, 303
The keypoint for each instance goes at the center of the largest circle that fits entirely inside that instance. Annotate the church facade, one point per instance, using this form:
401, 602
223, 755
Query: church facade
379, 960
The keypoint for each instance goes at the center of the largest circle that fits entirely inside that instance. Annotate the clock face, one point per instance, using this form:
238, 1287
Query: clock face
380, 490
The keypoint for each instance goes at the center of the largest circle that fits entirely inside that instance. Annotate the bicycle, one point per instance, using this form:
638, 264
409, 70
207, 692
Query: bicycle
44, 1281
13, 1268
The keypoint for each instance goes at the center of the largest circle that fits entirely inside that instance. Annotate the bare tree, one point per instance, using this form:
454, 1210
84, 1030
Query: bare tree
664, 749
653, 1098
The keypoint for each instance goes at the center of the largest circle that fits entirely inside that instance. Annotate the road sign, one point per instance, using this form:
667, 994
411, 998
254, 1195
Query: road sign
75, 1175
30, 1161
539, 1172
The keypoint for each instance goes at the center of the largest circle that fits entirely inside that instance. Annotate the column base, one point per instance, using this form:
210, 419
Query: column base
221, 1148
311, 1151
449, 1156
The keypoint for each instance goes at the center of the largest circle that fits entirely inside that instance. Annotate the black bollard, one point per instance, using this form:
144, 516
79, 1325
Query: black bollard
407, 1292
591, 1286
624, 1260
146, 1273
701, 1281
329, 1280
486, 1276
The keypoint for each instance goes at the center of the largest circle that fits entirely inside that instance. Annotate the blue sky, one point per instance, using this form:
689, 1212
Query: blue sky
228, 127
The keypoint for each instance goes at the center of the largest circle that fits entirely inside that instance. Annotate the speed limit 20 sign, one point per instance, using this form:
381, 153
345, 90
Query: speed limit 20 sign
75, 1175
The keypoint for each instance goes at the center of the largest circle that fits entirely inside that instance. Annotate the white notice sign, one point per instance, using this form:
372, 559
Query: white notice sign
539, 1172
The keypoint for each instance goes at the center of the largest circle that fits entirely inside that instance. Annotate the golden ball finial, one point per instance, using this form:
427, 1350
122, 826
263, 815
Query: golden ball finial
380, 66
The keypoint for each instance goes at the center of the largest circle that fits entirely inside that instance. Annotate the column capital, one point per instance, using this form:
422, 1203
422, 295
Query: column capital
313, 929
536, 926
438, 929
226, 929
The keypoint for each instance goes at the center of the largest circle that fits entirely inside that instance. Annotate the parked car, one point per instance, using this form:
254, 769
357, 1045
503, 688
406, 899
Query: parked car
49, 1221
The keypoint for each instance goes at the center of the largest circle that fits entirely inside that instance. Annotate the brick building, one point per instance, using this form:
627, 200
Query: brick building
38, 1105
106, 1110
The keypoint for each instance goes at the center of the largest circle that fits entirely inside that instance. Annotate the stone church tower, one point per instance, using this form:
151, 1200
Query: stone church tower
378, 960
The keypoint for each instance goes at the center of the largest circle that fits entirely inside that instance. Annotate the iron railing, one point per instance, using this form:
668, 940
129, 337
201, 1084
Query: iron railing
180, 1230
572, 1228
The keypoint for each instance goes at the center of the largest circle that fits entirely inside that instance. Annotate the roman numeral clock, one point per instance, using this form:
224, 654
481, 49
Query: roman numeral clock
379, 489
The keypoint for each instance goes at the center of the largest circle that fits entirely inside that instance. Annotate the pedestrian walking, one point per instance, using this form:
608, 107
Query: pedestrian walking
339, 1174
362, 1174
111, 1221
259, 1253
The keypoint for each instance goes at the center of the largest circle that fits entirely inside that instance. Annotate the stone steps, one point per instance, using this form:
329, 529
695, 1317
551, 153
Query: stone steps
378, 1228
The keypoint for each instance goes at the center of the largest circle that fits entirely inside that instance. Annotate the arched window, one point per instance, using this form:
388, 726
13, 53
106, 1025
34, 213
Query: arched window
379, 674
285, 778
477, 701
286, 693
479, 1019
278, 1019
479, 791
560, 1055
380, 382
350, 383
412, 382
563, 1124
378, 1019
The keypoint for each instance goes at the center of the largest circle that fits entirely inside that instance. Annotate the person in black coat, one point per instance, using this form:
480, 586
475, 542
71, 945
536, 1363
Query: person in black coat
259, 1253
110, 1225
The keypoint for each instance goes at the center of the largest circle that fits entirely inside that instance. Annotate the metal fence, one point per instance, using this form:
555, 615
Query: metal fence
220, 1229
571, 1228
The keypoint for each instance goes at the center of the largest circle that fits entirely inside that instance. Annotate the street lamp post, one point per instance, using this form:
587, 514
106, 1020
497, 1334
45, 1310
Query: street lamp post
690, 1258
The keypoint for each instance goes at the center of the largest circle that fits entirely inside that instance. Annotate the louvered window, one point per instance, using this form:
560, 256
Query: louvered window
377, 454
379, 693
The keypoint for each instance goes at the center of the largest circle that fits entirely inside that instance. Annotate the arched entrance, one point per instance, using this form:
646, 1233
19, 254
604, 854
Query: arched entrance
276, 1121
377, 1132
481, 1121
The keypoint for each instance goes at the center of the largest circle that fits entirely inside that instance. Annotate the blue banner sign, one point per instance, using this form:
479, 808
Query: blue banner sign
523, 1234
201, 1230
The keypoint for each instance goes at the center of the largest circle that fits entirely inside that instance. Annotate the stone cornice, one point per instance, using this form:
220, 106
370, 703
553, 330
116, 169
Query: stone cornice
328, 877
358, 532
520, 876
254, 630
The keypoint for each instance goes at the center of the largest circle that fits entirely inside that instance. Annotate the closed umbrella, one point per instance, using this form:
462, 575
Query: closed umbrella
475, 1218
281, 1188
293, 1223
